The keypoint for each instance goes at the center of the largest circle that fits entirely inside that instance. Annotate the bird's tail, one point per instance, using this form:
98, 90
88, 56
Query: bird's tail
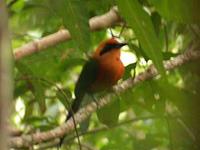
73, 109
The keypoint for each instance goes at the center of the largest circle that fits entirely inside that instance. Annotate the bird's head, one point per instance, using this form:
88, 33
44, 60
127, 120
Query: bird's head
108, 46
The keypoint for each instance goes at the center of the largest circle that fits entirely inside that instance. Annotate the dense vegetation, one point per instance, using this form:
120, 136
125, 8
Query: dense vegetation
157, 114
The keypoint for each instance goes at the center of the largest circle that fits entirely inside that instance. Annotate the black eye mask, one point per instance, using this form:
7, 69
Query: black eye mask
110, 46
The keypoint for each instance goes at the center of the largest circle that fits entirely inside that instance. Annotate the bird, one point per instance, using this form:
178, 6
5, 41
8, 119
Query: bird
100, 72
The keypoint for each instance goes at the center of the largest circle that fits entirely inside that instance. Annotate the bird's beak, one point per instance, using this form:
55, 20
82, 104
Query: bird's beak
120, 45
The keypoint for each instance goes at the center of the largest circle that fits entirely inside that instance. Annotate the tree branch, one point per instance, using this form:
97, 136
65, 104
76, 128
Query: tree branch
55, 142
5, 75
82, 114
13, 131
96, 23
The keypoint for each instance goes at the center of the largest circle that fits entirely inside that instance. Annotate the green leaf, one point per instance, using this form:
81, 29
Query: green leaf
38, 91
156, 20
98, 7
54, 64
43, 123
141, 23
35, 119
185, 11
45, 127
128, 70
109, 114
64, 97
69, 63
18, 6
35, 86
139, 51
29, 109
20, 88
168, 55
75, 17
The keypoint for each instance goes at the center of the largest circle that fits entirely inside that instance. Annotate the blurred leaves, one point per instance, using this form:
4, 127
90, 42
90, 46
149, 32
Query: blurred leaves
156, 31
109, 114
34, 86
42, 123
75, 18
141, 23
64, 96
178, 10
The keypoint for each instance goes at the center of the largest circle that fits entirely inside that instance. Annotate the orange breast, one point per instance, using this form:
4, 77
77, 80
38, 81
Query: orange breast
111, 70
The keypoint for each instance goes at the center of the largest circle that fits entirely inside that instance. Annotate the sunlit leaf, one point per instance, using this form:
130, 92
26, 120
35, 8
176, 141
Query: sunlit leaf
141, 23
128, 70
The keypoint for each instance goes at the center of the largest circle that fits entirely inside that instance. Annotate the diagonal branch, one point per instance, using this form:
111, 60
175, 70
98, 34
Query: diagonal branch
96, 23
27, 140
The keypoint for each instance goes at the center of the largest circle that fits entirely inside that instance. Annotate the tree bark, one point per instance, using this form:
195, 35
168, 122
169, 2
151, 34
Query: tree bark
5, 75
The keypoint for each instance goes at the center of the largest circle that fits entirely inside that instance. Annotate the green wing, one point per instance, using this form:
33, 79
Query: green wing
86, 78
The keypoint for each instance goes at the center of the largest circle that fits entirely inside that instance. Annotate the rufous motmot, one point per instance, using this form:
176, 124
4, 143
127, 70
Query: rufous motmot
101, 72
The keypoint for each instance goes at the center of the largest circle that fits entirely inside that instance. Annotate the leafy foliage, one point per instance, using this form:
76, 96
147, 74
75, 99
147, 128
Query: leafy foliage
141, 23
153, 115
186, 11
